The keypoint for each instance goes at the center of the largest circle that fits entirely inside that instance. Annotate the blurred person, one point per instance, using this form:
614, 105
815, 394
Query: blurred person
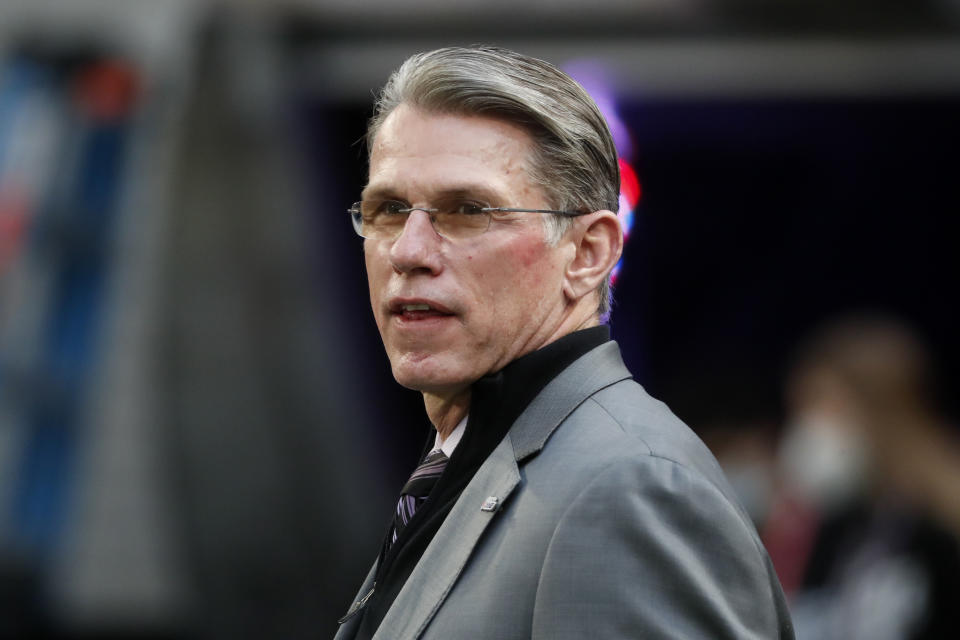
555, 498
865, 538
746, 452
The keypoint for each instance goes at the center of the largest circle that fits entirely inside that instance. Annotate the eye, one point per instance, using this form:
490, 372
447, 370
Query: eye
391, 207
469, 208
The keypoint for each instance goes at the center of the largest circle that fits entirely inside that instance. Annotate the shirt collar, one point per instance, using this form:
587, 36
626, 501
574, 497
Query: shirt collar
452, 440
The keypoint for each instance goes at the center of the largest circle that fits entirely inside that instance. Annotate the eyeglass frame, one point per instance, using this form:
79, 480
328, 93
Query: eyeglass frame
356, 215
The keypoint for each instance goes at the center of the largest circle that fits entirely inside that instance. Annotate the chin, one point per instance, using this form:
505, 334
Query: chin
427, 375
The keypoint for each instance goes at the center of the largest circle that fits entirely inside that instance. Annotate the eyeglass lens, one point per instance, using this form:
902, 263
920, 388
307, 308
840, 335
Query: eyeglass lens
385, 219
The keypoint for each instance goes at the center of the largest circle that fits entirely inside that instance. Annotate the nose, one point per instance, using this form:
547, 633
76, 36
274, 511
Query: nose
417, 248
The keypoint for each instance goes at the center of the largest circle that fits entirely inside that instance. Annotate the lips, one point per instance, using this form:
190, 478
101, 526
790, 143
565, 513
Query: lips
418, 309
415, 307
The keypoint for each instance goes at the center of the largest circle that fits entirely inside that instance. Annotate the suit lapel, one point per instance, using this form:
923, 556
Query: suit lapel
448, 552
445, 557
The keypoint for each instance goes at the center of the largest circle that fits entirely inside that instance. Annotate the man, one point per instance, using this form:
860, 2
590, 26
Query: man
556, 499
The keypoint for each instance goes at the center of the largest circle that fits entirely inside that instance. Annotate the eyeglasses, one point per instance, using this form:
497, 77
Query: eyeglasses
385, 219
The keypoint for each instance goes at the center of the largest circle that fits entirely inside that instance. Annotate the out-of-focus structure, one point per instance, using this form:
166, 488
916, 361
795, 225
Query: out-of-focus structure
192, 391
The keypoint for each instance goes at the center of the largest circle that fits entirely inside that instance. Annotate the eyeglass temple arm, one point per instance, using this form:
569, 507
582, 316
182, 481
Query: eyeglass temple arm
568, 214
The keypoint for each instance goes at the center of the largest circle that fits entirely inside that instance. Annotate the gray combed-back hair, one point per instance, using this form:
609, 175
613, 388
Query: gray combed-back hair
574, 159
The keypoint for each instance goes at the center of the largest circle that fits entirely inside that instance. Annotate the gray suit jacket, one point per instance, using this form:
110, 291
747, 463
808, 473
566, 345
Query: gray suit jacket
611, 520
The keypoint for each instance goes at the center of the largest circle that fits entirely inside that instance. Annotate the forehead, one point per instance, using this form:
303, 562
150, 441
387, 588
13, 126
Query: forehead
422, 153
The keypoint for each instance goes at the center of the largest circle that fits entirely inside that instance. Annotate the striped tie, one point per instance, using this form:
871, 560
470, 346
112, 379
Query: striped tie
415, 492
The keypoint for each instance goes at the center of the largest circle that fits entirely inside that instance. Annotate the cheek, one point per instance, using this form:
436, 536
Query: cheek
377, 278
531, 265
517, 276
371, 268
528, 256
377, 263
519, 256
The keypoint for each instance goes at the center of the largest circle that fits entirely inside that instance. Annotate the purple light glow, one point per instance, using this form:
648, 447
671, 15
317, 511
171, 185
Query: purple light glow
595, 79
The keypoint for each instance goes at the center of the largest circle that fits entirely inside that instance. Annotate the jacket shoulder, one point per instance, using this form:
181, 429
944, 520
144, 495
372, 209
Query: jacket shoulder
623, 425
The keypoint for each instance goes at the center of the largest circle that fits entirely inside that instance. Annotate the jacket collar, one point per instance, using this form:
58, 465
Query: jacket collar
598, 368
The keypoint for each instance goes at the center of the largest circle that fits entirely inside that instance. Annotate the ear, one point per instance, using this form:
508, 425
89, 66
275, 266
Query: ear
598, 247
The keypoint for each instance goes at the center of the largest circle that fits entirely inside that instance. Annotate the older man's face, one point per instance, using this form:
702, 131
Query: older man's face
491, 298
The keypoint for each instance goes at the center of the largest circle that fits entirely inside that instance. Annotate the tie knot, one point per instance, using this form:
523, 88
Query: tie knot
416, 490
425, 476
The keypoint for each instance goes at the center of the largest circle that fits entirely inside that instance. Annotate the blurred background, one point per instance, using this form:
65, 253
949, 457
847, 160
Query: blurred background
199, 433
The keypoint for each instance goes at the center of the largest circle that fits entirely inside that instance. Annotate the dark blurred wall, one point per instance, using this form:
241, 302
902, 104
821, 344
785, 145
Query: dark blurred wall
761, 219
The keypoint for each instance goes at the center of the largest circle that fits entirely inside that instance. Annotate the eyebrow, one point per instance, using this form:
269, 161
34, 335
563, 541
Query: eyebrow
476, 191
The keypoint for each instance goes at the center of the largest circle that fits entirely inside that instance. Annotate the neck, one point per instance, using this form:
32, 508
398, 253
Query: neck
446, 412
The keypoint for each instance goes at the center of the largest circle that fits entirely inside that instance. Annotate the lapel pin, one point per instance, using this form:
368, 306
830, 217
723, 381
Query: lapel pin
490, 504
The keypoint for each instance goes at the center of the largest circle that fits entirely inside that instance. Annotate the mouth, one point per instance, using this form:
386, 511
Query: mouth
414, 310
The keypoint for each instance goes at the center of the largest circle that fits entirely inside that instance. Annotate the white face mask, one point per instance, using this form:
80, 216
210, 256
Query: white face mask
825, 460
